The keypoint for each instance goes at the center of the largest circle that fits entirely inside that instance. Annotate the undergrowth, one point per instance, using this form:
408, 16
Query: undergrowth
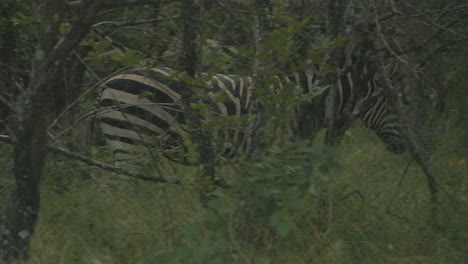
375, 209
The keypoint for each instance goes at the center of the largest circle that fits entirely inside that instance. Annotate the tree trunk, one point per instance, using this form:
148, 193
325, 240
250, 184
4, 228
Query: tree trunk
8, 36
29, 156
189, 62
31, 128
263, 27
31, 139
410, 116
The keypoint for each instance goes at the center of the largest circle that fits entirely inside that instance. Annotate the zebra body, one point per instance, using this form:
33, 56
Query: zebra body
360, 93
140, 110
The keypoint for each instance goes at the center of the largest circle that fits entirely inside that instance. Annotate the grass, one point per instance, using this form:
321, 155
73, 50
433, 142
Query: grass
378, 212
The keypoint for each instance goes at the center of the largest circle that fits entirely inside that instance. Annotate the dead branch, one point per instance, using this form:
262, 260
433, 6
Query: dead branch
122, 3
132, 23
118, 170
410, 129
104, 166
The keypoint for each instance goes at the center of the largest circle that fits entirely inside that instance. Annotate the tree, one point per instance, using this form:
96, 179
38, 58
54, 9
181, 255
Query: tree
40, 41
30, 128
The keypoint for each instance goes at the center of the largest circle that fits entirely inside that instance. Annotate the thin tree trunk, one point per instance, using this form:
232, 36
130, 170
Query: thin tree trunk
416, 128
410, 116
189, 62
8, 39
340, 25
262, 30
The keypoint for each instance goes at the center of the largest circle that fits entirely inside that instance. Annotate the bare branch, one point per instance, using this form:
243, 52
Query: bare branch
142, 176
441, 48
104, 166
231, 10
407, 122
429, 40
131, 23
122, 3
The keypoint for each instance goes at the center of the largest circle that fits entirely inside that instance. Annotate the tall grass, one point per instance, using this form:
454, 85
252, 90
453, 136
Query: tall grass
377, 211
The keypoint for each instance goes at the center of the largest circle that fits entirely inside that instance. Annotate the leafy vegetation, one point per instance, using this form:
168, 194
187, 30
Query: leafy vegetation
377, 214
302, 203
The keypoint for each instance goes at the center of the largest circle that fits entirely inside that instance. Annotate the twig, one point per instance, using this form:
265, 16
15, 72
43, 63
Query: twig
104, 166
232, 10
353, 192
77, 100
413, 139
131, 23
121, 3
142, 176
234, 242
400, 182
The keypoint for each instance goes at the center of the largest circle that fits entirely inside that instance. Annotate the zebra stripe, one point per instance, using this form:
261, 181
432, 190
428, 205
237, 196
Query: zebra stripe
129, 117
142, 109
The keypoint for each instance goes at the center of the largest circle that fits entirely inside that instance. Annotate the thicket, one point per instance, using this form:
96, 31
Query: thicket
378, 210
304, 202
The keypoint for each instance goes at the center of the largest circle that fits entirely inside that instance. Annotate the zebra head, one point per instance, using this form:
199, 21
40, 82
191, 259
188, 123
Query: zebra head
380, 117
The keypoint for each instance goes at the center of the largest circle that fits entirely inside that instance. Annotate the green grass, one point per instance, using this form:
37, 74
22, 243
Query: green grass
377, 213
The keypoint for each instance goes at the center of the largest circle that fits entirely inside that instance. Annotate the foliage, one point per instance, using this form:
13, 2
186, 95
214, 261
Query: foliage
261, 207
377, 209
377, 212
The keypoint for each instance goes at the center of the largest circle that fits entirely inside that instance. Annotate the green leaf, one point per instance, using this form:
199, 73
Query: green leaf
192, 231
23, 19
100, 49
282, 221
296, 204
157, 260
129, 58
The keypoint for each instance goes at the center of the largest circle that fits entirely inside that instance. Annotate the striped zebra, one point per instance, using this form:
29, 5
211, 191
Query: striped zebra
140, 112
359, 93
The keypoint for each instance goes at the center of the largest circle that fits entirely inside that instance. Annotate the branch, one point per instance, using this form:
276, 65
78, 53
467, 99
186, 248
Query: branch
409, 128
441, 48
132, 23
142, 176
123, 3
232, 10
431, 38
81, 27
104, 166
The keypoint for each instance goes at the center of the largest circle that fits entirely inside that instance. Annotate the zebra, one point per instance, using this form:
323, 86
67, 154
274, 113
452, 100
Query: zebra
360, 93
140, 110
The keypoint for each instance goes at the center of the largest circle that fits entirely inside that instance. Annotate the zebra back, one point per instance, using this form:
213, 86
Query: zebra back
140, 110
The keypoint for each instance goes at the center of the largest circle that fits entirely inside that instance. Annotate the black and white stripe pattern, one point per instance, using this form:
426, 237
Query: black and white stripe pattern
140, 110
361, 93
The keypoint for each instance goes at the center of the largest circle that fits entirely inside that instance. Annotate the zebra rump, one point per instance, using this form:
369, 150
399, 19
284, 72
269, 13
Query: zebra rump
140, 110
